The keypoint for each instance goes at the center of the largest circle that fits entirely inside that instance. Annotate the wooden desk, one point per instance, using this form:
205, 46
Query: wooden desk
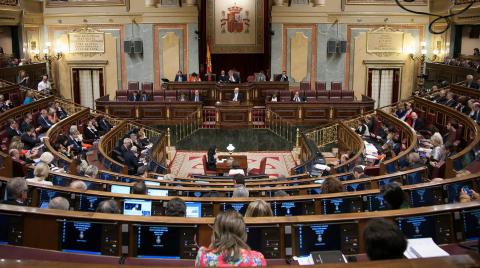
226, 166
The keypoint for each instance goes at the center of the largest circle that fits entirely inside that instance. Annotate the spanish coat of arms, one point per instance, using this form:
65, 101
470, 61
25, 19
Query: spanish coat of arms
233, 21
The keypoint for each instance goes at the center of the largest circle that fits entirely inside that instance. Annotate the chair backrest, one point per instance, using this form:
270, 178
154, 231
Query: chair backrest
250, 78
347, 94
323, 94
320, 85
147, 87
263, 165
305, 85
336, 86
204, 162
335, 94
133, 85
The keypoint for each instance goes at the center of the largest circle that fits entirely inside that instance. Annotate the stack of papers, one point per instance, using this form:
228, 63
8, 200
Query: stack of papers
307, 260
423, 248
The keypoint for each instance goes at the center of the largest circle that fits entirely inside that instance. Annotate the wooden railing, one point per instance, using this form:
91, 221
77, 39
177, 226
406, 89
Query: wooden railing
471, 134
459, 89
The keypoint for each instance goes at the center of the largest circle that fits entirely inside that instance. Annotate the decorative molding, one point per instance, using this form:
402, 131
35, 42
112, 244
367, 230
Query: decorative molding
83, 3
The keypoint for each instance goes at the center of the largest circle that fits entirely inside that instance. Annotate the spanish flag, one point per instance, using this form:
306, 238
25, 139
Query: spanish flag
209, 59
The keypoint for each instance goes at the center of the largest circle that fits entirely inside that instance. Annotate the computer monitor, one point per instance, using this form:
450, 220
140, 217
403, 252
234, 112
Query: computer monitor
88, 202
4, 229
59, 180
136, 207
417, 227
157, 192
265, 239
376, 202
120, 189
288, 208
81, 237
471, 224
194, 210
152, 183
166, 242
239, 207
353, 187
421, 197
126, 179
45, 197
342, 205
317, 237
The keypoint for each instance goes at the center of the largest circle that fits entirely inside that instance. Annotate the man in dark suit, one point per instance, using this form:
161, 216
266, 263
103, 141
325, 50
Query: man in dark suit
223, 77
233, 77
13, 130
450, 137
103, 125
358, 173
297, 97
450, 100
131, 161
180, 77
30, 139
134, 97
91, 133
283, 77
144, 96
27, 123
43, 121
73, 143
475, 113
196, 96
237, 96
440, 97
61, 113
470, 83
417, 123
17, 191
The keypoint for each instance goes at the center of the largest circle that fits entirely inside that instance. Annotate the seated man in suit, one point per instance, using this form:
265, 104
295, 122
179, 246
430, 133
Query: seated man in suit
17, 192
416, 123
103, 125
134, 97
43, 121
196, 96
237, 96
297, 97
144, 96
61, 113
470, 83
131, 161
12, 129
260, 77
223, 77
451, 102
91, 133
283, 77
29, 139
180, 77
73, 140
233, 77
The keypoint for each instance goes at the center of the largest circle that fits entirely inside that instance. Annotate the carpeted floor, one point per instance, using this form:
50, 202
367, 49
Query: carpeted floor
186, 163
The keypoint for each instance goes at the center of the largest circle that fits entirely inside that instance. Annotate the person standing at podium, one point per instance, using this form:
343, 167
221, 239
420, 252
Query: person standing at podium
180, 77
237, 96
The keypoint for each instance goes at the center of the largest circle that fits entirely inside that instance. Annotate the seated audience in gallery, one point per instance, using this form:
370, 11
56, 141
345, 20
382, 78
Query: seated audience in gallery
29, 97
30, 139
103, 125
450, 135
176, 208
13, 129
470, 83
43, 121
91, 132
362, 128
17, 192
61, 113
416, 122
475, 112
194, 77
297, 97
196, 96
384, 240
78, 185
463, 105
22, 78
52, 115
91, 172
40, 174
108, 206
44, 86
259, 208
180, 77
134, 96
359, 172
129, 157
59, 202
467, 195
441, 97
394, 196
228, 246
450, 102
5, 104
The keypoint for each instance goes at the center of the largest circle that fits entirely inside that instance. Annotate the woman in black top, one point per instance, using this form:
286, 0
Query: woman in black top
211, 159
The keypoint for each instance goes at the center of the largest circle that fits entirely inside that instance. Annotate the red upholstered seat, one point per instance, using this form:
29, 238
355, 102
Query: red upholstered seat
347, 95
261, 169
305, 85
285, 95
335, 94
310, 95
323, 95
170, 95
147, 86
336, 86
205, 170
133, 85
121, 95
320, 86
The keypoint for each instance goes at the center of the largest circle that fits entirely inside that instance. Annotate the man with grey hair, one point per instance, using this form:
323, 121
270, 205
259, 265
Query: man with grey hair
108, 206
91, 171
470, 83
240, 191
17, 191
78, 185
60, 203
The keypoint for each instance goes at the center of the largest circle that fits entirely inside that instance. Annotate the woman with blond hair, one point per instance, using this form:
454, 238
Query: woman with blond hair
229, 244
259, 208
40, 174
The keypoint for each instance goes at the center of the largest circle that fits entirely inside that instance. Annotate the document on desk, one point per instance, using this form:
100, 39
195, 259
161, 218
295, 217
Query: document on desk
307, 260
423, 248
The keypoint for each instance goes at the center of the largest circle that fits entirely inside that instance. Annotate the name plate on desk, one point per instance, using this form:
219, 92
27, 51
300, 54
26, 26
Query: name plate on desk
384, 42
86, 42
